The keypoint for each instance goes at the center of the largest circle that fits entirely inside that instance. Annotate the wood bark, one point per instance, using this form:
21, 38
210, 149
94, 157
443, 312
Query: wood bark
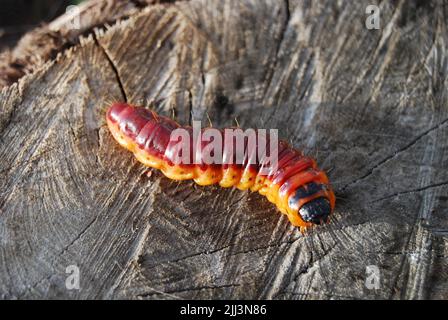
369, 105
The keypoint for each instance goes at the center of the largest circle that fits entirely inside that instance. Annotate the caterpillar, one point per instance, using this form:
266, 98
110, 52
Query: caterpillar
298, 188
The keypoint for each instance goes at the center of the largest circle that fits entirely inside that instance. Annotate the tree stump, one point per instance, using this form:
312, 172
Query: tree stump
369, 105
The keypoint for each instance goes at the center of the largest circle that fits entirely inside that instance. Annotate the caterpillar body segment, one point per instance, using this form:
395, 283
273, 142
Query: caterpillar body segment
296, 185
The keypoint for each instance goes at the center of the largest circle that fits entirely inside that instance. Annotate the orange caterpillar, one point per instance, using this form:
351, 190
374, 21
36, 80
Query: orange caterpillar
297, 187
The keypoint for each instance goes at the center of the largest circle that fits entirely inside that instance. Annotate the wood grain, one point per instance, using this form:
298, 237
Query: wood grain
44, 42
370, 105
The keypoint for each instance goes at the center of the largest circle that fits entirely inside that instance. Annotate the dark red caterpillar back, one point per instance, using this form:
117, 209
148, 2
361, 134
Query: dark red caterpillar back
295, 184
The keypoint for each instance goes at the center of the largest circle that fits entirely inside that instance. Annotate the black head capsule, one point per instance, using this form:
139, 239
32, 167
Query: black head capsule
315, 211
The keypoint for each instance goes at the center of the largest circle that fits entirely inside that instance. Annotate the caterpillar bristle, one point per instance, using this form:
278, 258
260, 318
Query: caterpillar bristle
296, 186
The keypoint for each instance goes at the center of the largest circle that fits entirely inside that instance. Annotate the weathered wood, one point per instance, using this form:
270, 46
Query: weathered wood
371, 105
43, 43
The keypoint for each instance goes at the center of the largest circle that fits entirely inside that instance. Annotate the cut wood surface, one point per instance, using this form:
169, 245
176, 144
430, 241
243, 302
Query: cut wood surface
44, 42
369, 105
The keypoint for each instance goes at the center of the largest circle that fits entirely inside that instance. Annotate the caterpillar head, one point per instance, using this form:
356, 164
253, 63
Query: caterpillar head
316, 211
312, 202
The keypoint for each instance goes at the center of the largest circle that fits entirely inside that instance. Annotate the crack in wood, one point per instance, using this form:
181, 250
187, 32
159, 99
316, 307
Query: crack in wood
434, 185
48, 277
113, 66
279, 44
396, 153
255, 255
149, 294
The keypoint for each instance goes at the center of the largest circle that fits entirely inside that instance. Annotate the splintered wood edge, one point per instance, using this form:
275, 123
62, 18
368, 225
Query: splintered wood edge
84, 40
60, 28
